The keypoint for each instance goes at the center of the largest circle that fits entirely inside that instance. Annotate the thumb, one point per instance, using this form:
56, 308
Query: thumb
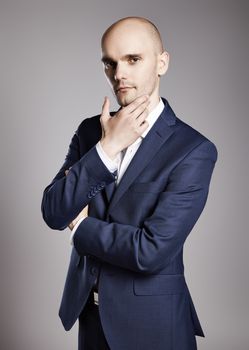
106, 108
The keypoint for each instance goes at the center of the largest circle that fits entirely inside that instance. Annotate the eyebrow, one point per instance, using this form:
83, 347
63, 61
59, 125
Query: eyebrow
105, 59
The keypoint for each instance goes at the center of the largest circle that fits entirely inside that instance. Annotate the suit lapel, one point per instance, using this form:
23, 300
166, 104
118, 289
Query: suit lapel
156, 137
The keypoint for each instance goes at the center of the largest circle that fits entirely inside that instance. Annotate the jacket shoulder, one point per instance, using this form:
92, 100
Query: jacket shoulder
192, 138
185, 135
89, 132
89, 123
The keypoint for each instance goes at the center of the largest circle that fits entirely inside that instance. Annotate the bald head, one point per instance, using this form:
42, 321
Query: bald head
134, 59
137, 23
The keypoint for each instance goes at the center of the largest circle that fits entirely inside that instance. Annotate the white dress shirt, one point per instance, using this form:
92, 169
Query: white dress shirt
123, 159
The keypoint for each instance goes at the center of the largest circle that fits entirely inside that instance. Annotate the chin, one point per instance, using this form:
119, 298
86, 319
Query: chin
126, 100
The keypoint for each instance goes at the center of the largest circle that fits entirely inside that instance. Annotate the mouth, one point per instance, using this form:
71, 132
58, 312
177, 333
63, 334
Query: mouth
123, 89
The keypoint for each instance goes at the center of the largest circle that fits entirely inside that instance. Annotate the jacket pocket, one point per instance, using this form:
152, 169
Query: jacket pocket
159, 285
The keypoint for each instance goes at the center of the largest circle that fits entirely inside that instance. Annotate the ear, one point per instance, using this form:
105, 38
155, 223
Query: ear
163, 63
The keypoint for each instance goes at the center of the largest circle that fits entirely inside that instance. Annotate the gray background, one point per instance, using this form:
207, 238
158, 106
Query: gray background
51, 78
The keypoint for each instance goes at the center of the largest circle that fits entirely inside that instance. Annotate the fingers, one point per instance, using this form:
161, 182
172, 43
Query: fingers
141, 122
142, 116
137, 112
106, 108
85, 211
143, 127
141, 110
138, 102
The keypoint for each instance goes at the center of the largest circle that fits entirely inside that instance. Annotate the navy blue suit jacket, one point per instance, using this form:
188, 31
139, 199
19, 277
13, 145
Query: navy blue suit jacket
135, 241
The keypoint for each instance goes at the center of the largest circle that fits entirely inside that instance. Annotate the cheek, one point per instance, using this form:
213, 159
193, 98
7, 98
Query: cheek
148, 71
109, 76
147, 77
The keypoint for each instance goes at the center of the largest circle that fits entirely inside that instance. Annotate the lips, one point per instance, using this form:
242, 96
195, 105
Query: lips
123, 88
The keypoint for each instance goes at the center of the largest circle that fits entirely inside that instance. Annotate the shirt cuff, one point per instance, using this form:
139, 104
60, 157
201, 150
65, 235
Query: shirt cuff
112, 165
75, 228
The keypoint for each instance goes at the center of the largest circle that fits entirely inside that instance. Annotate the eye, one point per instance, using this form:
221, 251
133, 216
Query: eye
133, 60
109, 65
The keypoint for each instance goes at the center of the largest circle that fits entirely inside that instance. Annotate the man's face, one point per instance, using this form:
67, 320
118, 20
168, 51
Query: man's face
130, 63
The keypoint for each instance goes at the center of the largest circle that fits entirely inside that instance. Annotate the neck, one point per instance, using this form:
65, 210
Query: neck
154, 100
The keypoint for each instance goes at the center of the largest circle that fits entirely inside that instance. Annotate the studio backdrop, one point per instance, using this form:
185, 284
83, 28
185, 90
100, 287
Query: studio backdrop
51, 78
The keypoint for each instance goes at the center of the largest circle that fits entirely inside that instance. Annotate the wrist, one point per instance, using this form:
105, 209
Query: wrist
111, 148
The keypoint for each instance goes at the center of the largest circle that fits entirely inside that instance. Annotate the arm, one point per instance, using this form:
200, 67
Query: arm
112, 167
150, 248
67, 194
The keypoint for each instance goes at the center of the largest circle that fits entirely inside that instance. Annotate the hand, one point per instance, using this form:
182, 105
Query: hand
121, 130
83, 213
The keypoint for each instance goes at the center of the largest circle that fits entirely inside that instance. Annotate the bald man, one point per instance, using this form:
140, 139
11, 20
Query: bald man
133, 184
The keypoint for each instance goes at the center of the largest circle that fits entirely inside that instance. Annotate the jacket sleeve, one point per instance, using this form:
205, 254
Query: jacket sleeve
148, 249
66, 196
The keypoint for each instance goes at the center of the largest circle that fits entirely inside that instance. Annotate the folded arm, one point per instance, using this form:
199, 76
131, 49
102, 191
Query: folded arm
150, 248
64, 198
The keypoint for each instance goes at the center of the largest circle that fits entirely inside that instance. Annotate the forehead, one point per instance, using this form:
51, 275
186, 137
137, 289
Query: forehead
128, 38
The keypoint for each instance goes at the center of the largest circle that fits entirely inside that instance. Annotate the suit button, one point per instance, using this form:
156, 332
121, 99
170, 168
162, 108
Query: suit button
94, 271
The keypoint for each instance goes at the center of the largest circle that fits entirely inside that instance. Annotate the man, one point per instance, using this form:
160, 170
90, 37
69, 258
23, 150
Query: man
131, 188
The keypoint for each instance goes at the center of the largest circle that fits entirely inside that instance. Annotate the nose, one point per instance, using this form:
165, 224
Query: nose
120, 72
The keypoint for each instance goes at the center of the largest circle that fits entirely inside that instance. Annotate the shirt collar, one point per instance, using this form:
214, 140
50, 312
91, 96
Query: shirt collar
153, 116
